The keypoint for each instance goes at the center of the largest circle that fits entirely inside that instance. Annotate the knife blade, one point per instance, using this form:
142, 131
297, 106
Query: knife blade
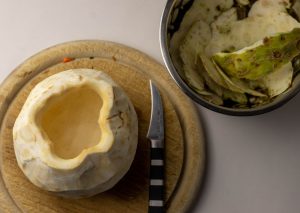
156, 135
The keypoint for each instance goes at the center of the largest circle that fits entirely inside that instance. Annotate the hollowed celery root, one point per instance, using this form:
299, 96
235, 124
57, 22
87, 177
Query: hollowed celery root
76, 134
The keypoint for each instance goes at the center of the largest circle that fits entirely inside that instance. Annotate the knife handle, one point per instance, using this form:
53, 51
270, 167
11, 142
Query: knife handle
156, 188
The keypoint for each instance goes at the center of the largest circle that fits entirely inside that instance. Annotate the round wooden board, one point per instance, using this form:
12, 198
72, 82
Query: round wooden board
132, 70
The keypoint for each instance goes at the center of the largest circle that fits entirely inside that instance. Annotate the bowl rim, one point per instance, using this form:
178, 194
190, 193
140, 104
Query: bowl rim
163, 40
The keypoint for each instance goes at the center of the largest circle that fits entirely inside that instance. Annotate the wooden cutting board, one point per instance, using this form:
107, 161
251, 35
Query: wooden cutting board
132, 70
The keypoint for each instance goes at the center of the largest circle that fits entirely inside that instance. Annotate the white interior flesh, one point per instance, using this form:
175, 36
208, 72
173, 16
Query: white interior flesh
70, 121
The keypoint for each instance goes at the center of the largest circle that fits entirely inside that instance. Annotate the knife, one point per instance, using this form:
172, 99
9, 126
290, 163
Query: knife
156, 136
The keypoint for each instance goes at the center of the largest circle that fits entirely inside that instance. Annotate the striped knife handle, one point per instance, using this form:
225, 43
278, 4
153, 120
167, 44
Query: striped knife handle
156, 188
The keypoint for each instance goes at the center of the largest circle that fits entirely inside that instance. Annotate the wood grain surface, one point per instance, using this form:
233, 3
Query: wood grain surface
132, 70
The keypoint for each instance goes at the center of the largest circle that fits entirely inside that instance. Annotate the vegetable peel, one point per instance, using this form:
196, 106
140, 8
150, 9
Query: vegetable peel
262, 58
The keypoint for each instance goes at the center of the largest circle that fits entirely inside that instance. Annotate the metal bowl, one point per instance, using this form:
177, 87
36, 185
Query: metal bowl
170, 23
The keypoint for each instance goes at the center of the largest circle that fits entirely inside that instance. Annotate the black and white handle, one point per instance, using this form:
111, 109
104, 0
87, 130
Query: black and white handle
156, 188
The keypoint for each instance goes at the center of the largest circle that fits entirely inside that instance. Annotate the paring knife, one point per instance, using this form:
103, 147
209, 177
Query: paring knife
156, 136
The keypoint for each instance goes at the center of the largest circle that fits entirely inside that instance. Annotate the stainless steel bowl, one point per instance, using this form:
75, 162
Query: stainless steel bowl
170, 22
